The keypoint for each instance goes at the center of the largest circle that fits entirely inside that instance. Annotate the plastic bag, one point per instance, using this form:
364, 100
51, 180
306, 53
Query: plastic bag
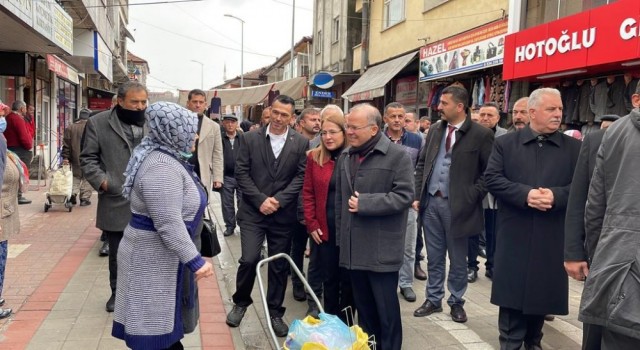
62, 182
327, 333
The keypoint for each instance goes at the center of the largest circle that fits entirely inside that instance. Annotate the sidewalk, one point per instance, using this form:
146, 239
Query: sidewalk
57, 287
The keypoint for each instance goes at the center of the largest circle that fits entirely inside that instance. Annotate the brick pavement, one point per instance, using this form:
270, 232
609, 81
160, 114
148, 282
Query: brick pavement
57, 286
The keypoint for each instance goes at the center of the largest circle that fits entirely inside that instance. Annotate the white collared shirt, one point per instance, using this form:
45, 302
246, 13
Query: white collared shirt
453, 136
277, 141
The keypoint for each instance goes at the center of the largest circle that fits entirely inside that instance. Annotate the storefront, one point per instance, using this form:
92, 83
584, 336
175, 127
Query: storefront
593, 57
472, 59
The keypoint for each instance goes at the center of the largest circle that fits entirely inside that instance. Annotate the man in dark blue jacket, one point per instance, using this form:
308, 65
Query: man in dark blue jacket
230, 145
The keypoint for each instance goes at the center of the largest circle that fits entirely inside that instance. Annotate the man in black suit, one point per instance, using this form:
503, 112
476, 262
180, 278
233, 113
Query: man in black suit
270, 172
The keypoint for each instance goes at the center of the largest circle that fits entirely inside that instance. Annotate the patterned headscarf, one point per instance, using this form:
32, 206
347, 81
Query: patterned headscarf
172, 128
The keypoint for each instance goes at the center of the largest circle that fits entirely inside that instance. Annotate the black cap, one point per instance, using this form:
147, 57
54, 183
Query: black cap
609, 118
230, 117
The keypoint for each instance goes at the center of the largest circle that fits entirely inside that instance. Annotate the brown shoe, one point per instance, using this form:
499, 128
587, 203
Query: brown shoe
426, 309
549, 317
419, 273
458, 314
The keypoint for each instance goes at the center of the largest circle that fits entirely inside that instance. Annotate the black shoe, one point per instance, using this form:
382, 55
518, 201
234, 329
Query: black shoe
489, 274
228, 232
4, 313
482, 252
426, 309
279, 327
408, 294
111, 303
472, 275
104, 250
532, 346
22, 200
234, 317
549, 318
85, 202
103, 237
298, 292
419, 273
458, 314
313, 310
72, 199
1, 302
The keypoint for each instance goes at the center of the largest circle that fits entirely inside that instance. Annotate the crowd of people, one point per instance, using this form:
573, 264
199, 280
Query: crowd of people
362, 193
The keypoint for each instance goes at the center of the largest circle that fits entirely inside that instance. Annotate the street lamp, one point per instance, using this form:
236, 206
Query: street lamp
241, 47
201, 73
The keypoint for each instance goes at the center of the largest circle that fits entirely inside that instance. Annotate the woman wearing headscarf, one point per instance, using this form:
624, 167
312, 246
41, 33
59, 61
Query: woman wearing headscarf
158, 251
318, 194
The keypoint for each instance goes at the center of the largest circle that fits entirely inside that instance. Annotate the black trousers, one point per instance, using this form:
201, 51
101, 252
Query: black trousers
378, 307
114, 238
490, 242
591, 336
299, 239
517, 328
326, 276
278, 241
616, 341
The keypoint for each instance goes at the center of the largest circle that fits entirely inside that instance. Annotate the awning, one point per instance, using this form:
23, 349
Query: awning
371, 83
293, 88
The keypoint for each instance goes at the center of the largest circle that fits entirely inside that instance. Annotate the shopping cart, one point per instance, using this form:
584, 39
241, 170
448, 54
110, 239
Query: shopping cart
60, 189
263, 295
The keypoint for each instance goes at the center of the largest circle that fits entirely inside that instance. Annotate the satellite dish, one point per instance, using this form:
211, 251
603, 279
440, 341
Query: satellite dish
323, 80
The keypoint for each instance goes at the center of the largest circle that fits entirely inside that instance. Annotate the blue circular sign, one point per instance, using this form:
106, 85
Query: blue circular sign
323, 80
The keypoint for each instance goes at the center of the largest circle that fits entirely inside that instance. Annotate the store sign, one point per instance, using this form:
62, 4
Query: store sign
322, 94
62, 69
605, 35
62, 29
23, 9
407, 90
473, 50
102, 61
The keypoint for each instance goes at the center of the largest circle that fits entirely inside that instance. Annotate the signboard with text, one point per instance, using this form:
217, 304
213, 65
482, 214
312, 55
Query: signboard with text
407, 90
605, 36
322, 94
473, 50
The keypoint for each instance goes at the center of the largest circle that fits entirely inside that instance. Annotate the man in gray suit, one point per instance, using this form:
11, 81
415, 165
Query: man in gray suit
489, 117
104, 159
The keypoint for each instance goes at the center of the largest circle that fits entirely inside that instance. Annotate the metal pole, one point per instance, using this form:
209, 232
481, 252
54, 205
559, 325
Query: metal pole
201, 73
293, 27
241, 53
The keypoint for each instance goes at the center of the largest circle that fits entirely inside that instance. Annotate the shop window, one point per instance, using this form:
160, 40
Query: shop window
335, 30
431, 4
543, 11
393, 13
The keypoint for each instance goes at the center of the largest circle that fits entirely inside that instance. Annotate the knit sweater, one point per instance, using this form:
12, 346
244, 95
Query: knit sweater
166, 206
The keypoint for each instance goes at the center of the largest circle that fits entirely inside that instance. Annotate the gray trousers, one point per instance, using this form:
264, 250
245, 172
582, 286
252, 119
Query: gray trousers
229, 186
437, 225
408, 262
82, 186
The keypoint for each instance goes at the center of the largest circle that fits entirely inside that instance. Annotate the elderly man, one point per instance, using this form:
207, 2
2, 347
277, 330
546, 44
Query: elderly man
395, 117
519, 114
530, 173
610, 297
489, 118
425, 124
19, 139
109, 140
231, 136
449, 192
376, 188
71, 148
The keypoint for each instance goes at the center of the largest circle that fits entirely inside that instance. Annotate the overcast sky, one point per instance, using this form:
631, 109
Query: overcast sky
169, 36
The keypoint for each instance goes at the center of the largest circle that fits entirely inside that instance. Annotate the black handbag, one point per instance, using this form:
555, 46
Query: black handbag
210, 244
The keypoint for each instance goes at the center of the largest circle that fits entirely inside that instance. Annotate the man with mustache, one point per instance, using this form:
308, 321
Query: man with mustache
519, 115
530, 174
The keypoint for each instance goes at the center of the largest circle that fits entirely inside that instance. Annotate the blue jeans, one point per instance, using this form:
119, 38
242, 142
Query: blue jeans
437, 225
4, 252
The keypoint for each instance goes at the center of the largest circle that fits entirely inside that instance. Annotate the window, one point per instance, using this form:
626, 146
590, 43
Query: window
335, 37
544, 11
317, 42
393, 12
431, 4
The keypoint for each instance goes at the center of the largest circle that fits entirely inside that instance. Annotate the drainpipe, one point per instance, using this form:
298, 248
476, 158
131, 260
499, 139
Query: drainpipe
364, 47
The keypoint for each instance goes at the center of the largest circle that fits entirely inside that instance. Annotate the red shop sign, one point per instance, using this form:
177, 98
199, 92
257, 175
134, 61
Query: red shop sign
605, 35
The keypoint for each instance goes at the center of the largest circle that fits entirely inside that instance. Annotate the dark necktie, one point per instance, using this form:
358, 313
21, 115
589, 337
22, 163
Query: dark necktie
447, 142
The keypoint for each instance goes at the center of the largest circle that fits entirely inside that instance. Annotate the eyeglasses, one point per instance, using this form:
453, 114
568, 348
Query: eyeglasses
355, 128
329, 132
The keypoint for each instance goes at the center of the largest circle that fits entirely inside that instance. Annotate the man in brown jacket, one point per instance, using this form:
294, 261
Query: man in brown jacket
71, 148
